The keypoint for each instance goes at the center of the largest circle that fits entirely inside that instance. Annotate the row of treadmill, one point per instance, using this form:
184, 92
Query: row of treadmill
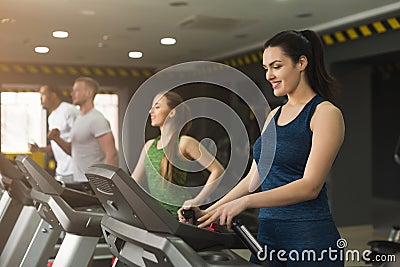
35, 209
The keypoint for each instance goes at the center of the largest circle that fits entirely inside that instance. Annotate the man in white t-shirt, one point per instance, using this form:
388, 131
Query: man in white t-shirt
91, 138
62, 117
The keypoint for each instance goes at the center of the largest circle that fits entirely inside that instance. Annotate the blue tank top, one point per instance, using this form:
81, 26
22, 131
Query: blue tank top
293, 145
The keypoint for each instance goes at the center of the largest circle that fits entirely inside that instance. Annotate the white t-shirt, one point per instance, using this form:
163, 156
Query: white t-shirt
63, 118
85, 149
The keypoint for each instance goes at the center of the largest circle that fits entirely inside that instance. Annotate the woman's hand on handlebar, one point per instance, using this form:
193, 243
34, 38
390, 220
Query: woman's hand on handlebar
197, 212
223, 213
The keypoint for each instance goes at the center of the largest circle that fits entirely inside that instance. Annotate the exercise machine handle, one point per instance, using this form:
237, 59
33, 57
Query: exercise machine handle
189, 215
247, 238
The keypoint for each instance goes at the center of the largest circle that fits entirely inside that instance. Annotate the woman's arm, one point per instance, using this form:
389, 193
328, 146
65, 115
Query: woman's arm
193, 150
250, 182
328, 134
240, 190
138, 174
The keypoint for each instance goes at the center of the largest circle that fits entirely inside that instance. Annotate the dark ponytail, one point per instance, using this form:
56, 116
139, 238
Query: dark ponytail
307, 43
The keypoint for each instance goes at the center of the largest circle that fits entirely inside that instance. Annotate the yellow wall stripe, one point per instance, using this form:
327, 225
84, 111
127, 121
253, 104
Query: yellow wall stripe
247, 60
240, 61
352, 33
123, 72
379, 26
254, 58
75, 70
339, 36
394, 23
135, 73
328, 39
147, 73
86, 71
110, 72
98, 72
46, 70
365, 30
4, 68
65, 93
59, 70
72, 70
18, 68
32, 69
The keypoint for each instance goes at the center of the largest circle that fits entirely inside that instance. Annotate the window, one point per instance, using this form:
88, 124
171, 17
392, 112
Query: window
23, 120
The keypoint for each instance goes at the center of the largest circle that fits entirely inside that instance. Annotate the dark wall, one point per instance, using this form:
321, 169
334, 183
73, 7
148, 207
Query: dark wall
366, 158
124, 95
350, 190
386, 130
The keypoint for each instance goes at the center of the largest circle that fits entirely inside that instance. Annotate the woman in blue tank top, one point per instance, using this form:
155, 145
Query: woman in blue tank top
295, 224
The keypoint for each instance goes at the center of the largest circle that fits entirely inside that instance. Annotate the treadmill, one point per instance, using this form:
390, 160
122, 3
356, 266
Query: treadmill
13, 199
75, 212
26, 240
140, 232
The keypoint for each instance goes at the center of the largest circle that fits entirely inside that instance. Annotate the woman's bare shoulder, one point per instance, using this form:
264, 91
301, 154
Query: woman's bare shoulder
148, 144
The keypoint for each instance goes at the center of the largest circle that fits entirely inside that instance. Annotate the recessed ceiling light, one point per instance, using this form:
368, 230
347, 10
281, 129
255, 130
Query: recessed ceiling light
241, 35
133, 29
105, 37
178, 3
87, 12
100, 44
168, 41
60, 34
42, 49
135, 54
303, 15
7, 20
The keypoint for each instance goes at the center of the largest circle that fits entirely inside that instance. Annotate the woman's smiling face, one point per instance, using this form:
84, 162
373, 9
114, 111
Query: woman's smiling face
159, 111
283, 74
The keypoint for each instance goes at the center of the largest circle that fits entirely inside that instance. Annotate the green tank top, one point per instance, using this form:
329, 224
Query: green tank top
163, 191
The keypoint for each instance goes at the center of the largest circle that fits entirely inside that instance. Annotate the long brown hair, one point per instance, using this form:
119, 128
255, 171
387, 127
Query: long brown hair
182, 115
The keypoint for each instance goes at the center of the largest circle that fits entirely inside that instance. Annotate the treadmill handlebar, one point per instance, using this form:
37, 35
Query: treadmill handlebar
247, 238
189, 215
238, 227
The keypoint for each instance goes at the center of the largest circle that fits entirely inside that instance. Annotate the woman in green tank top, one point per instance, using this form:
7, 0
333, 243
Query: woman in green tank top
165, 160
